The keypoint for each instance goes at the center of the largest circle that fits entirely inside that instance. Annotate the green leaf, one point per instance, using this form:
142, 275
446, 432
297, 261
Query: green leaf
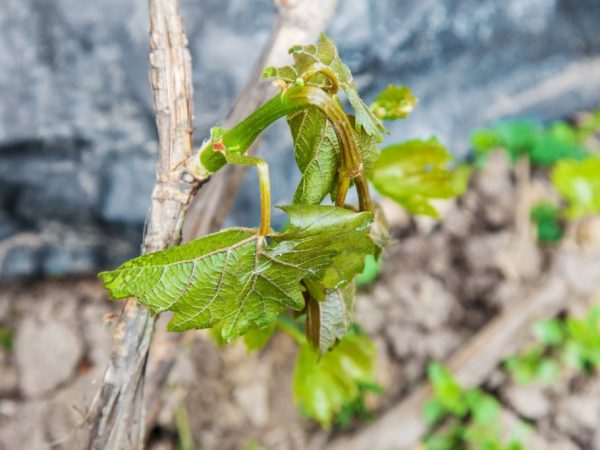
308, 59
557, 143
549, 331
484, 140
350, 239
548, 371
324, 384
365, 119
589, 126
6, 338
446, 389
579, 184
237, 279
256, 338
368, 147
372, 270
518, 137
433, 411
548, 227
415, 172
316, 149
524, 367
395, 102
484, 407
330, 318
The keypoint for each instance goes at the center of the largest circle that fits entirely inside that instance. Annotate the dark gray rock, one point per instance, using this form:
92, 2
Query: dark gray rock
77, 132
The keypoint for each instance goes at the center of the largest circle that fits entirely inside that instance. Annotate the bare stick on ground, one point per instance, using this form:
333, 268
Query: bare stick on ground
402, 427
117, 412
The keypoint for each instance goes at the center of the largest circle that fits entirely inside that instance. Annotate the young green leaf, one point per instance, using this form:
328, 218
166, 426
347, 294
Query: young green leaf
549, 331
372, 270
320, 65
433, 411
316, 149
329, 318
395, 102
518, 137
368, 147
547, 222
558, 142
578, 182
324, 384
348, 252
256, 338
484, 408
446, 388
237, 278
413, 173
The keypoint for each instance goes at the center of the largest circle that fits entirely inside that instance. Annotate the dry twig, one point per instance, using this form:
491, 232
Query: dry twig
117, 414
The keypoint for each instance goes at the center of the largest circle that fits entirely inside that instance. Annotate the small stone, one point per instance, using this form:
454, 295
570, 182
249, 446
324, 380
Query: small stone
9, 380
579, 413
529, 401
47, 353
254, 400
370, 317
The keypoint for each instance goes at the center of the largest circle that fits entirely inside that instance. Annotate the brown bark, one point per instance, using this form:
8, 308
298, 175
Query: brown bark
117, 414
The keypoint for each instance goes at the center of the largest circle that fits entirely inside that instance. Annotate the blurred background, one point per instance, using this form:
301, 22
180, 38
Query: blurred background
78, 148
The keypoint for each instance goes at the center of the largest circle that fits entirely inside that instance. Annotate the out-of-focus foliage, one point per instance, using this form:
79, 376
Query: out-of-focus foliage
395, 102
578, 182
372, 270
546, 217
560, 343
461, 418
543, 146
415, 172
357, 409
6, 338
326, 385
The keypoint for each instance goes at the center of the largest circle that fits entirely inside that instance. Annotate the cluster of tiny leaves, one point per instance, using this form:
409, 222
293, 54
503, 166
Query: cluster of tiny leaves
464, 418
560, 344
544, 146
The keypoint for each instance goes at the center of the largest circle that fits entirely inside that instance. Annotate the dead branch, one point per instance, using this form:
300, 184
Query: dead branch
402, 426
117, 413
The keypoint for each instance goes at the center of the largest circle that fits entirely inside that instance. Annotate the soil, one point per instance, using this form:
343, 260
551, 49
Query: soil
441, 282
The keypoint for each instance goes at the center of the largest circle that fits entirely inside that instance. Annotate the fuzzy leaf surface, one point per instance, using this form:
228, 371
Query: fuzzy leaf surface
323, 385
414, 172
324, 53
348, 245
235, 278
329, 316
316, 149
393, 103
